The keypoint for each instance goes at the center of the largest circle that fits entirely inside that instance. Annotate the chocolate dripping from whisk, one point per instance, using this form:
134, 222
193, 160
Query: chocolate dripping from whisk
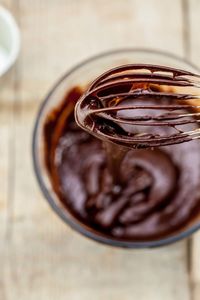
97, 109
112, 86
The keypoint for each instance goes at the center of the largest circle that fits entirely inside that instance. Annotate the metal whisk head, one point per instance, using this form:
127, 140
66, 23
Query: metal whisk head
141, 106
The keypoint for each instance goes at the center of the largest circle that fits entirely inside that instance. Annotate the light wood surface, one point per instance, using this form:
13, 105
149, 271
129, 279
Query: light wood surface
40, 257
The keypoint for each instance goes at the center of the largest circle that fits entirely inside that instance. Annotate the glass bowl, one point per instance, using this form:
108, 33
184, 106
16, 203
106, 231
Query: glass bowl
82, 75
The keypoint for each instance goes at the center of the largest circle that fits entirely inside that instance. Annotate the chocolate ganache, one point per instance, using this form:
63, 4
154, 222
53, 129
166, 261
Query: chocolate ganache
132, 195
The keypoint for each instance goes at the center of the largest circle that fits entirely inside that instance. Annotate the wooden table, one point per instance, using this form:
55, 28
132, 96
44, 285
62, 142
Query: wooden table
40, 257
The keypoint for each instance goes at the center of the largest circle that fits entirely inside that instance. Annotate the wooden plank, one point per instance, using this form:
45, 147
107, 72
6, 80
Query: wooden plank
8, 4
45, 259
196, 291
7, 100
60, 35
194, 12
194, 15
61, 264
195, 259
5, 167
5, 136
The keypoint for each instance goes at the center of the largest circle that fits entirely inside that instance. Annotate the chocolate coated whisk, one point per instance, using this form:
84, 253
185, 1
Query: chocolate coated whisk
127, 104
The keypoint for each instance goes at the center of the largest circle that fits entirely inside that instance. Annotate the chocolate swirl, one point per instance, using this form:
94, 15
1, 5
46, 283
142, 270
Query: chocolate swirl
159, 190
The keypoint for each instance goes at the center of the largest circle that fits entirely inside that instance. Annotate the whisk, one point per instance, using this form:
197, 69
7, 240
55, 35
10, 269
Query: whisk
126, 105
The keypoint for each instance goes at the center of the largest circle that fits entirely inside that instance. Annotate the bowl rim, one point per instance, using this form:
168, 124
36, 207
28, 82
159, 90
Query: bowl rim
60, 212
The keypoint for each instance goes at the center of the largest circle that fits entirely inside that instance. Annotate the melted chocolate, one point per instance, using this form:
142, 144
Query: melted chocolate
158, 192
129, 104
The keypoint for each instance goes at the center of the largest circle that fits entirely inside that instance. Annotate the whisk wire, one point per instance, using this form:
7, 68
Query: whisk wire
105, 101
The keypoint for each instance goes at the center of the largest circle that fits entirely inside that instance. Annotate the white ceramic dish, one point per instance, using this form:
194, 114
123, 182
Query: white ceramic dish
9, 40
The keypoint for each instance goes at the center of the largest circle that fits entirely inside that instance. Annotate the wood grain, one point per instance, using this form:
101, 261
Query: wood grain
43, 258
